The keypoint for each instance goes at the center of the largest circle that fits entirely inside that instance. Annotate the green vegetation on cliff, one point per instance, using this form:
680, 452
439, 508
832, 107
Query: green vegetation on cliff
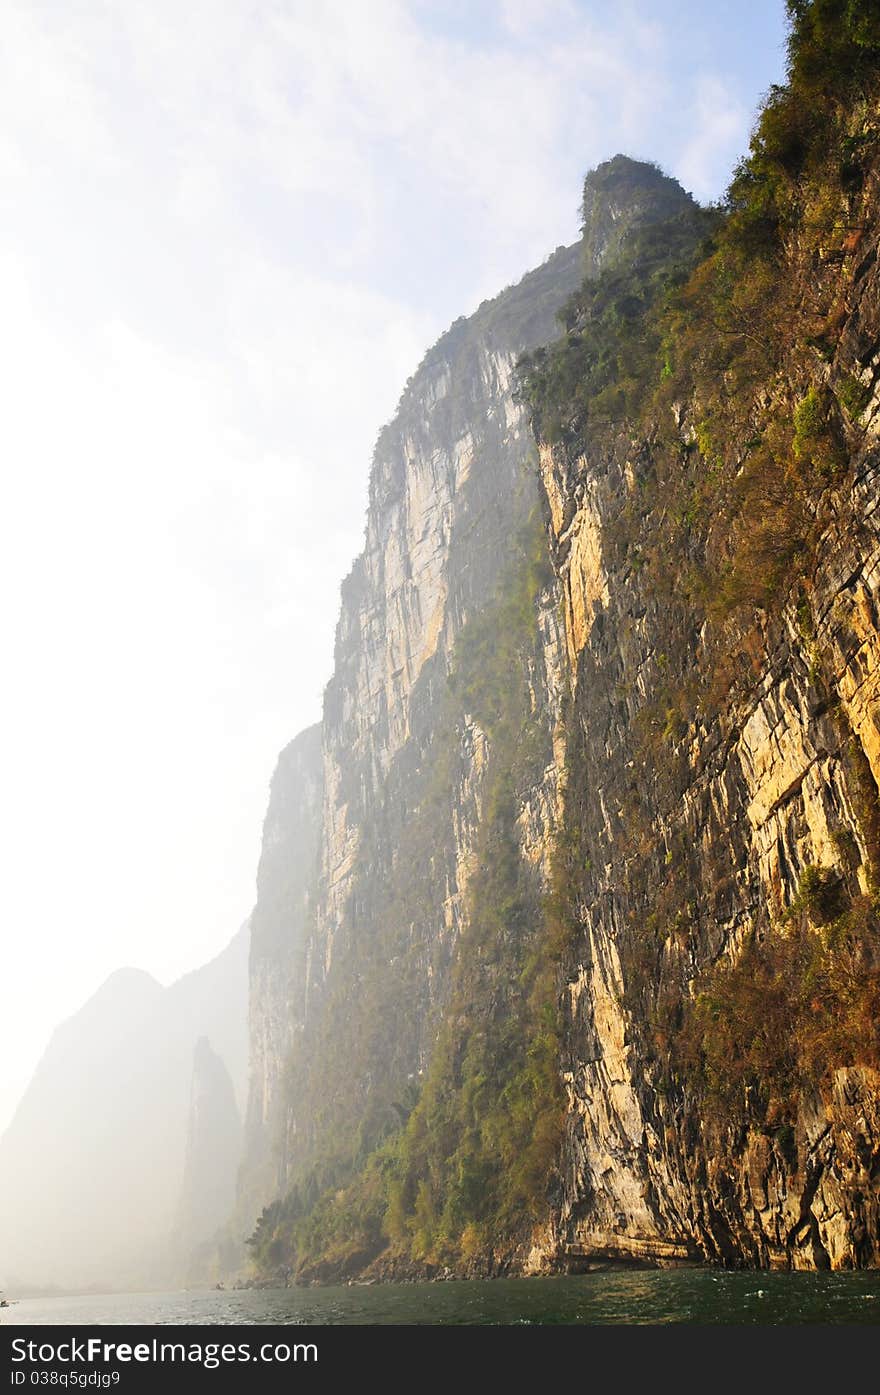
602, 369
713, 353
484, 1135
467, 1151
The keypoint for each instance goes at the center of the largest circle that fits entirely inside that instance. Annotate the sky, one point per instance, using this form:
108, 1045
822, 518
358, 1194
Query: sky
228, 233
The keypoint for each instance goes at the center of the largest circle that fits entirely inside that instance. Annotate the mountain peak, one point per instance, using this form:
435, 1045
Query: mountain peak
620, 194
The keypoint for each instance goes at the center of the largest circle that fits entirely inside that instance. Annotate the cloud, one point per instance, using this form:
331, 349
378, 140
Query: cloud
51, 107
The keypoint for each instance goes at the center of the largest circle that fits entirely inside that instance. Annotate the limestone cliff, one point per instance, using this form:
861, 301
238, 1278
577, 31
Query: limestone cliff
344, 994
693, 847
277, 963
717, 543
447, 686
583, 957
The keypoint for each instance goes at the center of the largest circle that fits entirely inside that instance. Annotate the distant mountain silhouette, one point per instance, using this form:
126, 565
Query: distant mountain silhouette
92, 1164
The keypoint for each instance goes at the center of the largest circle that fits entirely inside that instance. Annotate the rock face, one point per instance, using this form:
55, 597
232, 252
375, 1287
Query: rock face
92, 1163
213, 1150
365, 971
707, 833
750, 808
690, 830
277, 978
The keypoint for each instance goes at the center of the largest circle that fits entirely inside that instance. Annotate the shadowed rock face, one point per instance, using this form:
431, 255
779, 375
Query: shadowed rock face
277, 974
92, 1164
213, 1149
449, 486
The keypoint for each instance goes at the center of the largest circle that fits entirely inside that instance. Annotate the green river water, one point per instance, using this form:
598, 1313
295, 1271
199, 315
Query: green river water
609, 1296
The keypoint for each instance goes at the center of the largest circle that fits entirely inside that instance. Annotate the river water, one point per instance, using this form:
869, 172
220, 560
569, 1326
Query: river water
623, 1296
